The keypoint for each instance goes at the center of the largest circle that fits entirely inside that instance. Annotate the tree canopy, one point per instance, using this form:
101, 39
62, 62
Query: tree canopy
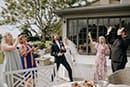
35, 15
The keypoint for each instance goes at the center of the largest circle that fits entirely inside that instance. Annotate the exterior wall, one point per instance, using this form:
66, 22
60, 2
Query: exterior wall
104, 1
112, 2
107, 2
125, 2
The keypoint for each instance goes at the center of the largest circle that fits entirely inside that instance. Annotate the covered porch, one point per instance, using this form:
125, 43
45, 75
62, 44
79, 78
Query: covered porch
77, 22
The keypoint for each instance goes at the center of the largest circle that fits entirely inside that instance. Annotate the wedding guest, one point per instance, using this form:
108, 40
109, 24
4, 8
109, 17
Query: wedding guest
119, 48
27, 59
100, 62
11, 58
58, 50
26, 52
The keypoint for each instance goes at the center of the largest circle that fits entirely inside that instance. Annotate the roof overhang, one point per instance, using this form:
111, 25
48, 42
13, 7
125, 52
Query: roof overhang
94, 9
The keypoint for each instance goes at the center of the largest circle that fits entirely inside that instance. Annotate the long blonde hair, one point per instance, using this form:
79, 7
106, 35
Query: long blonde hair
20, 38
4, 40
102, 40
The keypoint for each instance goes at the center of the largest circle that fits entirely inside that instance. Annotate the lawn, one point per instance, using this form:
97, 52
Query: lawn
1, 58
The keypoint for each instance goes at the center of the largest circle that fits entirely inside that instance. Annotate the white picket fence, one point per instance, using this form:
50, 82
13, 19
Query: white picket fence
34, 77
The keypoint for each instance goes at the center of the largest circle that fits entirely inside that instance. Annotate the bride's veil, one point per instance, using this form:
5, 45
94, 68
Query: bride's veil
72, 47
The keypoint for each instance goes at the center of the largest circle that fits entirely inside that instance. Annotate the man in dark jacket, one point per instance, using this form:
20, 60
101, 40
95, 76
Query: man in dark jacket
58, 50
118, 49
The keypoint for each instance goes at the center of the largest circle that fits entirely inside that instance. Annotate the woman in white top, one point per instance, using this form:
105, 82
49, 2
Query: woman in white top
11, 58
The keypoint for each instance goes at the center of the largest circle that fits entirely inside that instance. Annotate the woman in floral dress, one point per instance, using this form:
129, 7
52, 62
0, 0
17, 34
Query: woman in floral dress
100, 62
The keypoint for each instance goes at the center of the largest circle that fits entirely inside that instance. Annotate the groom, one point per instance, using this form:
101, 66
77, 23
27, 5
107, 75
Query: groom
58, 50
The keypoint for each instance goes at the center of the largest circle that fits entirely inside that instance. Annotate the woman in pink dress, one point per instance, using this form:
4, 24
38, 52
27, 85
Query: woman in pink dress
100, 62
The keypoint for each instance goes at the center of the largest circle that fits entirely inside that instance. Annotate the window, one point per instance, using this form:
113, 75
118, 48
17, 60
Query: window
77, 30
72, 30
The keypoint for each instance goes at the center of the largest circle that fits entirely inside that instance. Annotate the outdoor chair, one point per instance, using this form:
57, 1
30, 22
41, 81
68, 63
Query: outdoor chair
120, 77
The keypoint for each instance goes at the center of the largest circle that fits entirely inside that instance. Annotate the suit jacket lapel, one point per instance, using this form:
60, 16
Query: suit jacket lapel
57, 47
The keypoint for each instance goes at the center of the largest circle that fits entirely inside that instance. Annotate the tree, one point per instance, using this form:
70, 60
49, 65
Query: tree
30, 13
34, 15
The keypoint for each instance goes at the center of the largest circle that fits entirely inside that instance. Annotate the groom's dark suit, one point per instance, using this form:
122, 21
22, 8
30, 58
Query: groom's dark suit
55, 49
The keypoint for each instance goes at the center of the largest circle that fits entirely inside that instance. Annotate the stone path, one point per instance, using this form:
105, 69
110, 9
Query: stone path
80, 72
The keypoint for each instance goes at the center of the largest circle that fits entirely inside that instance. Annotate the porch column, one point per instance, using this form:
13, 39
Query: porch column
64, 28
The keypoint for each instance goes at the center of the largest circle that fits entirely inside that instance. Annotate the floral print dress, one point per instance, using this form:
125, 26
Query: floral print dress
100, 62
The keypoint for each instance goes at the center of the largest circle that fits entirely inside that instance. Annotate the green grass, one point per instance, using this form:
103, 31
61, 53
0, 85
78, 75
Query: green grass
1, 58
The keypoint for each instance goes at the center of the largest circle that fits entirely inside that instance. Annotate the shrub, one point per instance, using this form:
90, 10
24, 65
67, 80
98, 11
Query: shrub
39, 45
33, 38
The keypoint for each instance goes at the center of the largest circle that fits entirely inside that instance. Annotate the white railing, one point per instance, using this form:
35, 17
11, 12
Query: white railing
34, 77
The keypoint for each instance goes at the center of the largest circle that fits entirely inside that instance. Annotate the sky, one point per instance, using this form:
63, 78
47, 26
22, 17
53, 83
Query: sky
8, 28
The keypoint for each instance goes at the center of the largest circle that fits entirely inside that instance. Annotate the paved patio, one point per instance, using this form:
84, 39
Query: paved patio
82, 70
